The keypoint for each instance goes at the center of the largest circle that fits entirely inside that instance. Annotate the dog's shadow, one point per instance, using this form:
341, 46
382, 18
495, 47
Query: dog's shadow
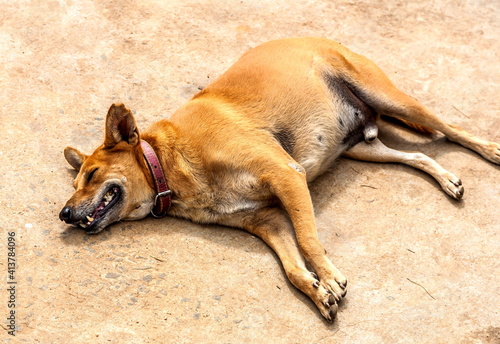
231, 239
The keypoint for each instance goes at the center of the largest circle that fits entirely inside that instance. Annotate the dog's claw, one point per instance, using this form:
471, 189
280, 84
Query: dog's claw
332, 300
332, 312
316, 284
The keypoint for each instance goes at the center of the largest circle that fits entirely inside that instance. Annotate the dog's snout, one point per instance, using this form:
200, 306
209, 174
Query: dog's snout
65, 214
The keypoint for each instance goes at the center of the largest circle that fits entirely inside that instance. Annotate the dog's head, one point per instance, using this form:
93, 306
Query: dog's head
113, 183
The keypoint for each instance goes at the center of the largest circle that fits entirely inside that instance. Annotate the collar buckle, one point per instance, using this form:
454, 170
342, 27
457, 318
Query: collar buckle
162, 194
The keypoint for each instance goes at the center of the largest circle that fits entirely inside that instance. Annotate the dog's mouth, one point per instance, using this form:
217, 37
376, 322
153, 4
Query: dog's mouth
108, 201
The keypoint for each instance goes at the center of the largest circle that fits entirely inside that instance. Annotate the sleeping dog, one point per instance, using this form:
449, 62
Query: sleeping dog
241, 152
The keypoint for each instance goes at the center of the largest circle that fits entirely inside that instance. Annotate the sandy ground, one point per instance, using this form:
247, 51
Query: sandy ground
422, 268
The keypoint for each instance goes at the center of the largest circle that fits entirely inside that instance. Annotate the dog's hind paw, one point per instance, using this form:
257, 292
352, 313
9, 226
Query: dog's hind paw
492, 152
452, 185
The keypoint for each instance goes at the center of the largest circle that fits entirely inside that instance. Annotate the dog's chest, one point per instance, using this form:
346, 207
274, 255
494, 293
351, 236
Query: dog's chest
227, 194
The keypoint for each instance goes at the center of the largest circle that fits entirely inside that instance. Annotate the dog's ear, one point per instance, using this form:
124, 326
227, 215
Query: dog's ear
120, 126
74, 157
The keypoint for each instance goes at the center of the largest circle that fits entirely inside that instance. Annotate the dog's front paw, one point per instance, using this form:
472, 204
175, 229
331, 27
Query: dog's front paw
329, 308
337, 287
322, 293
325, 301
334, 282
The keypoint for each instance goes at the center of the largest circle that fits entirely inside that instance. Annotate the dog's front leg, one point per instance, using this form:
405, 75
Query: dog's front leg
288, 183
273, 226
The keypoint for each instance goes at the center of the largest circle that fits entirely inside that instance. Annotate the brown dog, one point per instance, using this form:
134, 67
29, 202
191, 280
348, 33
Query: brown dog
241, 152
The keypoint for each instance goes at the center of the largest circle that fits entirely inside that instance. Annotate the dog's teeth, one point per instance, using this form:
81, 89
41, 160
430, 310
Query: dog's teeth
108, 196
106, 203
90, 219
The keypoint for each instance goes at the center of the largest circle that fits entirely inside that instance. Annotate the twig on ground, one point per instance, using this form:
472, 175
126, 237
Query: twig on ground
158, 259
421, 286
460, 111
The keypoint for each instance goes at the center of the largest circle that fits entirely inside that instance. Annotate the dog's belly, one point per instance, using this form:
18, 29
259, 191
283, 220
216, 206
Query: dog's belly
215, 213
316, 137
325, 137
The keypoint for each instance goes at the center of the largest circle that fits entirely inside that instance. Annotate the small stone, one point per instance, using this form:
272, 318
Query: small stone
112, 275
147, 278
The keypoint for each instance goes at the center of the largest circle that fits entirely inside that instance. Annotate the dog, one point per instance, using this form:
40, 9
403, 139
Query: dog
242, 151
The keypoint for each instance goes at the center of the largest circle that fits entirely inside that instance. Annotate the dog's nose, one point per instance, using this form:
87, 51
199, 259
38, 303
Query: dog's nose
65, 214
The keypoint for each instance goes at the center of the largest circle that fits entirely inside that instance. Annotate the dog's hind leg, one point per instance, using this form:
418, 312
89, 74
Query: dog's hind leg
373, 87
378, 152
274, 227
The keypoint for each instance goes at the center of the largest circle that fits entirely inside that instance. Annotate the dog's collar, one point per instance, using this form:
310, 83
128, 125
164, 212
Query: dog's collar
163, 199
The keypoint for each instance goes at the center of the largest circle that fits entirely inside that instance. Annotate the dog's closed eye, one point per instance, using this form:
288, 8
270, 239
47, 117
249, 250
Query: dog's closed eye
91, 174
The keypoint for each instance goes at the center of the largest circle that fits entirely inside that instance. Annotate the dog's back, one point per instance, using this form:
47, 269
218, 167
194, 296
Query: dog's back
293, 91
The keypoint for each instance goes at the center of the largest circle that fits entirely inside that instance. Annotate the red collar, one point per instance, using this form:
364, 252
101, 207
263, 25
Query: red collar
163, 199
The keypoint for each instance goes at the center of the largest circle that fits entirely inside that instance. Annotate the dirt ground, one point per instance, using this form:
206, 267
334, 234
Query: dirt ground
422, 268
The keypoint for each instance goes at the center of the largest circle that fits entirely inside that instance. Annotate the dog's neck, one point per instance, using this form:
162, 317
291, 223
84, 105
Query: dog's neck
179, 163
163, 198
